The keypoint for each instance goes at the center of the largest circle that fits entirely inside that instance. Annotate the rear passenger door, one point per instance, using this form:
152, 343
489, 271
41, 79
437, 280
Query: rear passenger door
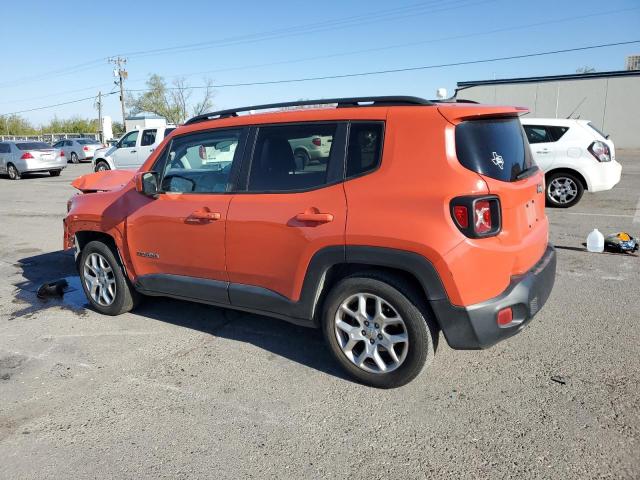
542, 145
285, 212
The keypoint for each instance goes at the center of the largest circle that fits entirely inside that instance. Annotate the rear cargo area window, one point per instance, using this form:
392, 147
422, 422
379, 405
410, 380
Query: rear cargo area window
493, 147
365, 148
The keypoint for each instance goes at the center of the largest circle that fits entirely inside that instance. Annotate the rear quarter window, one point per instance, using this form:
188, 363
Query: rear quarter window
493, 147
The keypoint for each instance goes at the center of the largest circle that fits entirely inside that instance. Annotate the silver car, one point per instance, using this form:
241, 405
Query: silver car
78, 149
26, 156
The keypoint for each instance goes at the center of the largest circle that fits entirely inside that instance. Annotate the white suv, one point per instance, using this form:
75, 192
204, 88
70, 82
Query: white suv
575, 157
131, 150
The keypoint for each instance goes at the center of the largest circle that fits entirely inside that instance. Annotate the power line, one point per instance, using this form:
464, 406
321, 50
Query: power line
408, 69
55, 105
362, 74
354, 52
302, 29
401, 45
373, 17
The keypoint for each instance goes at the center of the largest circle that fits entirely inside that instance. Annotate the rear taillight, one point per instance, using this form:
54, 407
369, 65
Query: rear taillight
86, 149
62, 153
461, 216
600, 150
317, 141
482, 216
477, 217
26, 156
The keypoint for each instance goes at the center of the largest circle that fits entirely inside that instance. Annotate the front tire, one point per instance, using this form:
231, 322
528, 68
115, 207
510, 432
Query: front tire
564, 190
104, 282
101, 166
376, 330
74, 157
13, 172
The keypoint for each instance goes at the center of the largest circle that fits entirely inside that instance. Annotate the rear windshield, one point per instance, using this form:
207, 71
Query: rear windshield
87, 141
33, 146
493, 147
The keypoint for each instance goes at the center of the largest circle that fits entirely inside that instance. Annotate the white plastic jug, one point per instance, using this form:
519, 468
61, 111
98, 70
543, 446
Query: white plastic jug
595, 241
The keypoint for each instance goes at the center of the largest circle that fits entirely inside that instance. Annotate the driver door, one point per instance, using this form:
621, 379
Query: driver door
177, 240
126, 154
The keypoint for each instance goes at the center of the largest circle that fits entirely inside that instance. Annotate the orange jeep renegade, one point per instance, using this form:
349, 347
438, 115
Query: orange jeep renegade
382, 220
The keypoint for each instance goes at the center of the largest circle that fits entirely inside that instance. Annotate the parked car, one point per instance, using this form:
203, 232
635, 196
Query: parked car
311, 149
575, 157
422, 249
19, 157
131, 150
77, 150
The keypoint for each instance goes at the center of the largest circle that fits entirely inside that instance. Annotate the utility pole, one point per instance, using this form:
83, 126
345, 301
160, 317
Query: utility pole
99, 107
122, 75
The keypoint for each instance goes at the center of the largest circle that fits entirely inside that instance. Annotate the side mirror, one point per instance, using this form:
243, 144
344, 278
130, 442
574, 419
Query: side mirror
147, 183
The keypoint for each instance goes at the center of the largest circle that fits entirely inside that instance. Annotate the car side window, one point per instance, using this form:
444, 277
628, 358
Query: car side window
4, 148
129, 140
537, 134
148, 137
557, 132
58, 144
201, 162
364, 149
291, 157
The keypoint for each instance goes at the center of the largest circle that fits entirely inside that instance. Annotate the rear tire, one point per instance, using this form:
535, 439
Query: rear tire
302, 159
564, 190
74, 157
55, 173
13, 172
101, 166
103, 280
369, 335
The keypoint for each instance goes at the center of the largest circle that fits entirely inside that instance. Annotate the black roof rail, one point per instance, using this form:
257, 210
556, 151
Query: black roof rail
386, 101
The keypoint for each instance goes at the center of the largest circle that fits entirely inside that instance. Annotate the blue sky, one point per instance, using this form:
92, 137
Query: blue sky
41, 40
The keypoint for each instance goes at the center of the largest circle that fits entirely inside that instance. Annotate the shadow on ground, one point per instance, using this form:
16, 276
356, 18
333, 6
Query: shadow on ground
302, 345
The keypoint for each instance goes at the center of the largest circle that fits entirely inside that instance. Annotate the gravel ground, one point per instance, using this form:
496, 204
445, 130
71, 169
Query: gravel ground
179, 390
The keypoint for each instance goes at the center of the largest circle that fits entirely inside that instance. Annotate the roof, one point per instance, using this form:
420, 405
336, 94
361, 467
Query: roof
526, 120
550, 78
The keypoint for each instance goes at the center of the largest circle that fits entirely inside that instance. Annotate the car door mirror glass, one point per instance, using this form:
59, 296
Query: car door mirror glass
147, 183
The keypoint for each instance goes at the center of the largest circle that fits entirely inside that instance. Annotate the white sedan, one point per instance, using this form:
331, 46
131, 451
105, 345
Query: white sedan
575, 157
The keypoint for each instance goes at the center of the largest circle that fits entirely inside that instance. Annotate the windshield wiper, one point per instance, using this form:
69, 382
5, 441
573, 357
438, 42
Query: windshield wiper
527, 172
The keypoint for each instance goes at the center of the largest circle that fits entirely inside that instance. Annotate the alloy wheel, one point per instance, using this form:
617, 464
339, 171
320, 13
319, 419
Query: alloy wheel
100, 280
371, 333
562, 190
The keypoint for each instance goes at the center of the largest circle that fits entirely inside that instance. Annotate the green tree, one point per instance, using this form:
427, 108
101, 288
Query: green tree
15, 125
72, 125
171, 102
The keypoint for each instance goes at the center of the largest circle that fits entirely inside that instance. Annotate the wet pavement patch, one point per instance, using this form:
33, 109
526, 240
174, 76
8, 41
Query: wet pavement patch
9, 365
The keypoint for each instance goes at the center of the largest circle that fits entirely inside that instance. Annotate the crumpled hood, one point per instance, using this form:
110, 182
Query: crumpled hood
103, 181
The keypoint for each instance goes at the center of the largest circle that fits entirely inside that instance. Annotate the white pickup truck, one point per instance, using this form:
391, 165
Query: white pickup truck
131, 150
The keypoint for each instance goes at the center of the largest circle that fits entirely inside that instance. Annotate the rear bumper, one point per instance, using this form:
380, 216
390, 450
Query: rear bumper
36, 165
475, 326
604, 176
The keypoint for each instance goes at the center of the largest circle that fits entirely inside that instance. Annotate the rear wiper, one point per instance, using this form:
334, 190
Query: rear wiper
527, 172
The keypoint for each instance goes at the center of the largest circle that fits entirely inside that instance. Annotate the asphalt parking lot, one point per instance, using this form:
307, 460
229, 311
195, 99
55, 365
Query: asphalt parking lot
179, 390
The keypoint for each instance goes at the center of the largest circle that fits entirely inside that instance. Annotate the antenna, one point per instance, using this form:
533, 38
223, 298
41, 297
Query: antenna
577, 107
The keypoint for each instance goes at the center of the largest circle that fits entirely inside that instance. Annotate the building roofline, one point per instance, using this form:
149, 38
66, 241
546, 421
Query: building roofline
549, 78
